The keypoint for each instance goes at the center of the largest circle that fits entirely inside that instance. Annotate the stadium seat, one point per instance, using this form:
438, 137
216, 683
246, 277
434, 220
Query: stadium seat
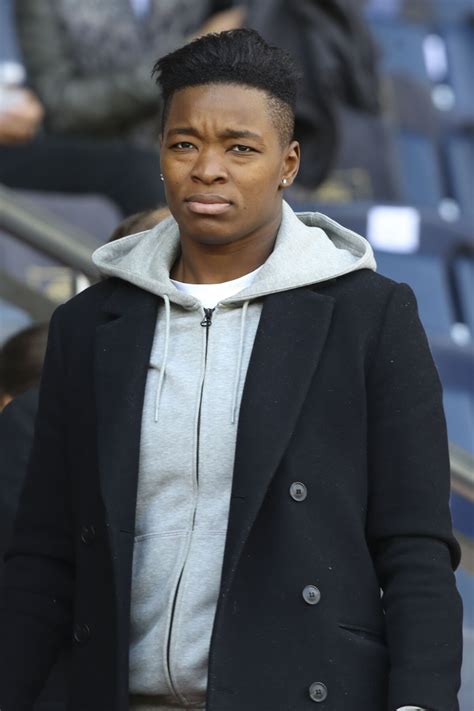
362, 174
460, 163
456, 368
459, 411
451, 11
401, 46
435, 12
389, 9
409, 104
436, 237
419, 166
460, 50
464, 275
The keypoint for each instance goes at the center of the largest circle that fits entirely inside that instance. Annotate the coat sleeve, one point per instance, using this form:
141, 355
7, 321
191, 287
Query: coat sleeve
36, 601
409, 525
75, 103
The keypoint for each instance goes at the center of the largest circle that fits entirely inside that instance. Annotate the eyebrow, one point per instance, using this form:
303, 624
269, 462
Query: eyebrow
228, 133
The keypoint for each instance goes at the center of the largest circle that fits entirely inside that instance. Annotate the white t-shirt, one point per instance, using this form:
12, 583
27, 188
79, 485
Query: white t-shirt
211, 294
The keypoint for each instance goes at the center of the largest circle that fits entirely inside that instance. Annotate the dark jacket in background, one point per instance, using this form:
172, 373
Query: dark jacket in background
17, 423
341, 394
16, 436
336, 55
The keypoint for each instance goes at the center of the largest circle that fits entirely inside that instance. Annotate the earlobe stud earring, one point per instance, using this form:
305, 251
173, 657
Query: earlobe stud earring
284, 181
162, 177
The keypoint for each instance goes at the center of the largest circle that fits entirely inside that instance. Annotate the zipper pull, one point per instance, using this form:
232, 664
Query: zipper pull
207, 320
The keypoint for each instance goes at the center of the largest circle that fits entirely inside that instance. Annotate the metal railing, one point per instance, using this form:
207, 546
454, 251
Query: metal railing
49, 235
46, 232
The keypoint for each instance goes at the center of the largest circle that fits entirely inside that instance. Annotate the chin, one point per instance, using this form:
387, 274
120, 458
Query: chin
210, 231
211, 239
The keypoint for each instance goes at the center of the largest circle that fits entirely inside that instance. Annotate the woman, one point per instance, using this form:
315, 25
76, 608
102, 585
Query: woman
240, 444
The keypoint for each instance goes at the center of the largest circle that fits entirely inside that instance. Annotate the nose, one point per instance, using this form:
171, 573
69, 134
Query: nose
209, 167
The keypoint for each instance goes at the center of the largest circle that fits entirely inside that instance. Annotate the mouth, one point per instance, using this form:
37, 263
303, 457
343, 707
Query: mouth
207, 204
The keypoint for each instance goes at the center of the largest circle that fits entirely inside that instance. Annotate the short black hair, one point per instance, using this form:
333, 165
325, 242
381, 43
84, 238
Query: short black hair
240, 57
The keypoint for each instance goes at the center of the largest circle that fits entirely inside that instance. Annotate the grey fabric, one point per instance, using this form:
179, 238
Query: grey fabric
90, 62
189, 426
309, 248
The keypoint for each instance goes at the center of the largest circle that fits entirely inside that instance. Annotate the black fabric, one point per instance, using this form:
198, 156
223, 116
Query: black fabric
128, 175
341, 394
337, 59
16, 437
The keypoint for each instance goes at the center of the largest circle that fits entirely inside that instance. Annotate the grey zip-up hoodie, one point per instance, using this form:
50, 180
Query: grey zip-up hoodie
192, 397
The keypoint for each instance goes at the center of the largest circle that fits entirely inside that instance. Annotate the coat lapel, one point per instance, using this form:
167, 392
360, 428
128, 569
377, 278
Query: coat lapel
122, 355
289, 342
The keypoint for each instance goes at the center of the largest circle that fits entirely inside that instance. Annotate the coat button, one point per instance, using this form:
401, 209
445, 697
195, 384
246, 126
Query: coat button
318, 692
87, 535
311, 595
82, 633
298, 491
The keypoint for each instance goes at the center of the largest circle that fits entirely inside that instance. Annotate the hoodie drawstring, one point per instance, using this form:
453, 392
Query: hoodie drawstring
239, 362
165, 355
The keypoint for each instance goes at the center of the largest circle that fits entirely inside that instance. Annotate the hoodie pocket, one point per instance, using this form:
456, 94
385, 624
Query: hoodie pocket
157, 563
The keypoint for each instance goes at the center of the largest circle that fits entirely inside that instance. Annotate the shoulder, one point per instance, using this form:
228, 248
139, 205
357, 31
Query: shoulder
370, 309
89, 304
367, 292
361, 284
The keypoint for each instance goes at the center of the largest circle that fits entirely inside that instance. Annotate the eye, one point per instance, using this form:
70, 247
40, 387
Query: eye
239, 148
183, 145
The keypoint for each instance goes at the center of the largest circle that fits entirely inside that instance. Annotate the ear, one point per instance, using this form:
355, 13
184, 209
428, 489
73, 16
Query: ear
291, 164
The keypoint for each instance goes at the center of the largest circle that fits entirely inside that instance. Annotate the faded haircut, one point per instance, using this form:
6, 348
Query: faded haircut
240, 57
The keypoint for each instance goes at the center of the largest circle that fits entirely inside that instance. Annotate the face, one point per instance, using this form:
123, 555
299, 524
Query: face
223, 164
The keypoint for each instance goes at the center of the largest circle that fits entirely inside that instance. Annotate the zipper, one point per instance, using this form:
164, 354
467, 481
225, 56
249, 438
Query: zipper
205, 323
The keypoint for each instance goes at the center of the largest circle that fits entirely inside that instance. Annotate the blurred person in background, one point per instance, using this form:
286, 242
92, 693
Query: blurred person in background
84, 122
90, 62
240, 442
336, 56
139, 222
21, 362
21, 113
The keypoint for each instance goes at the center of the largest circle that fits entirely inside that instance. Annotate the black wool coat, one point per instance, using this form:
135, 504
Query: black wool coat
341, 395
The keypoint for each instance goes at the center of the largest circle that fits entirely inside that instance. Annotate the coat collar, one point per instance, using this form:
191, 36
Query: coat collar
123, 347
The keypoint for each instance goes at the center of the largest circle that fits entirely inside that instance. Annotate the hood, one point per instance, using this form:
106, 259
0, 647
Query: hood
310, 248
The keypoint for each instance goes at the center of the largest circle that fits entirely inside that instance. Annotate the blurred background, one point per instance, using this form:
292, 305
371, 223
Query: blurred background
386, 122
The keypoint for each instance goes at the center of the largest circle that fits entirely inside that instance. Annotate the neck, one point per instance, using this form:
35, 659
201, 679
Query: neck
214, 264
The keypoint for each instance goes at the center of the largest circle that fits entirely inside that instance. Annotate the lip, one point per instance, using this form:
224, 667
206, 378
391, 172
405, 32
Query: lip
207, 204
